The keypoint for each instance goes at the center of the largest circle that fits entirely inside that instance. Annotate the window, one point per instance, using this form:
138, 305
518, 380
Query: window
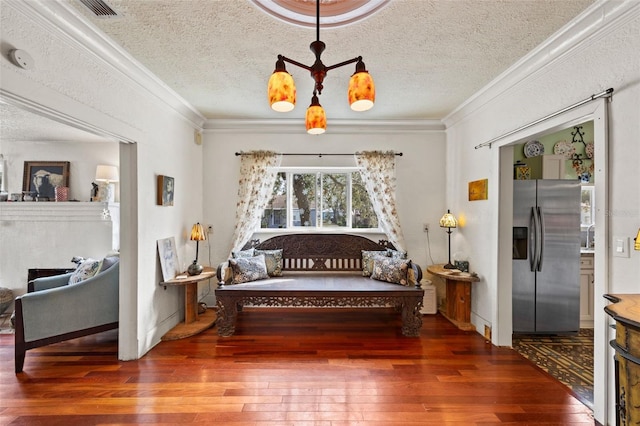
312, 198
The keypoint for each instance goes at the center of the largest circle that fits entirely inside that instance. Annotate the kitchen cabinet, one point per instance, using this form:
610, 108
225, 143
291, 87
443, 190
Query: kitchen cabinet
586, 290
548, 166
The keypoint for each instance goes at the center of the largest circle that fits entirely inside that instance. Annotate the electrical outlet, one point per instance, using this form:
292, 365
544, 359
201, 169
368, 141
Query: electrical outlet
425, 227
210, 229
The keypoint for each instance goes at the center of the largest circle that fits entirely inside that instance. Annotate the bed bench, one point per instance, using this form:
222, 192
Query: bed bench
320, 270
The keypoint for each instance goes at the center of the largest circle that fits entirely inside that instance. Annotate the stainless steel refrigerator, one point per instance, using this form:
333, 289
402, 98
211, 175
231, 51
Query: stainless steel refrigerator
546, 256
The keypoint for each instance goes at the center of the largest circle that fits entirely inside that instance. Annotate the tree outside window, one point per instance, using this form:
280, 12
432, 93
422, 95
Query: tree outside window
321, 199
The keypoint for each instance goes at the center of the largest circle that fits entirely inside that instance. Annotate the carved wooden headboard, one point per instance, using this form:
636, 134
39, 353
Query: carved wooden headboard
321, 252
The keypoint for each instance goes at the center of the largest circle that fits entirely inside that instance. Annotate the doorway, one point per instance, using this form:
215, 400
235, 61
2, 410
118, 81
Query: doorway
597, 113
70, 126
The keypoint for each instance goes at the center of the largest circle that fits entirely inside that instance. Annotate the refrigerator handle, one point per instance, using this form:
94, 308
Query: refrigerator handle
533, 239
541, 238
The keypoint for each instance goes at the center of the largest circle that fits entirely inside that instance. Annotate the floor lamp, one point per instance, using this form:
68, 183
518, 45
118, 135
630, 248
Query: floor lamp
449, 221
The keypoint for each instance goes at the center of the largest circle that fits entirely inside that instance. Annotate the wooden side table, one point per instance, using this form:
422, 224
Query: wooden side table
458, 307
193, 323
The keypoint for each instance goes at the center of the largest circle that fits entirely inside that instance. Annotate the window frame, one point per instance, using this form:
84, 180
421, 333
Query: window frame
290, 228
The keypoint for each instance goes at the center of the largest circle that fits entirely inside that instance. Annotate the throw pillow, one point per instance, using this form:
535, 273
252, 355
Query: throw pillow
108, 262
391, 270
273, 259
396, 254
367, 260
242, 253
246, 269
85, 270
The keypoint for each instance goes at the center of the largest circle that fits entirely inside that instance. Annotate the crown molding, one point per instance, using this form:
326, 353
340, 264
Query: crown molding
56, 115
593, 23
61, 18
295, 126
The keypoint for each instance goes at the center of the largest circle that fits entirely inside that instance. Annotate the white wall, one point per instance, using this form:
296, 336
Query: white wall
83, 159
420, 173
111, 95
560, 73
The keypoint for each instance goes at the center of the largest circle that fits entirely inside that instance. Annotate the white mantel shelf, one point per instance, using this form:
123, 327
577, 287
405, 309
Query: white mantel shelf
51, 211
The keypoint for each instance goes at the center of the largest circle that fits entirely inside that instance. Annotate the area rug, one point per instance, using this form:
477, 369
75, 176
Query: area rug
569, 359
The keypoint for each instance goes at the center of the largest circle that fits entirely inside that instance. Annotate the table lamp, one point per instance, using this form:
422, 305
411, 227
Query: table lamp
106, 175
449, 221
197, 235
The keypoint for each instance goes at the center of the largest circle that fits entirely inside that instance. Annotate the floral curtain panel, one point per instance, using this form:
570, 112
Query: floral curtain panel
257, 177
378, 171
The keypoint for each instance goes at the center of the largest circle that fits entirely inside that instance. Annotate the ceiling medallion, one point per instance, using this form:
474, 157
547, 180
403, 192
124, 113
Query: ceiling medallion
335, 13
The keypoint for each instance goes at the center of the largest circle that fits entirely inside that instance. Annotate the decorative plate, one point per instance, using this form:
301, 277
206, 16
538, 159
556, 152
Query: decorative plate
564, 148
588, 149
533, 149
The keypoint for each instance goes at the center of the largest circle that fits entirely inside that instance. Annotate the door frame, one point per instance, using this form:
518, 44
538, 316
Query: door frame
597, 112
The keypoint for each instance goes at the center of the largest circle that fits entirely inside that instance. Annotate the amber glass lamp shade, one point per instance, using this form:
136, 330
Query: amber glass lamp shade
636, 245
362, 90
316, 119
281, 89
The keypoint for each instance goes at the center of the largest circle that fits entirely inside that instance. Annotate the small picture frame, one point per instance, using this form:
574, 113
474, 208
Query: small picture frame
168, 258
166, 188
43, 177
478, 190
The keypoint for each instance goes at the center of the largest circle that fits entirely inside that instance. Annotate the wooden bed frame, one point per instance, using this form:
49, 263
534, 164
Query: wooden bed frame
320, 270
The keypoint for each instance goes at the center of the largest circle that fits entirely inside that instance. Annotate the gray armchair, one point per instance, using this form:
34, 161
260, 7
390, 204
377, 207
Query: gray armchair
53, 311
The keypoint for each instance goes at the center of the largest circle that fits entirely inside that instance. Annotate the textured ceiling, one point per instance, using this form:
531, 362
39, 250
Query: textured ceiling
426, 56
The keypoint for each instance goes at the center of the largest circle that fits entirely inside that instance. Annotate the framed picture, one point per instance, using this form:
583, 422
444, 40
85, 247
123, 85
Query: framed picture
478, 190
165, 190
168, 258
42, 177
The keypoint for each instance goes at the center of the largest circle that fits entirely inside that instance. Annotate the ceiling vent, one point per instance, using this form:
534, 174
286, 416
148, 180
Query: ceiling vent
99, 8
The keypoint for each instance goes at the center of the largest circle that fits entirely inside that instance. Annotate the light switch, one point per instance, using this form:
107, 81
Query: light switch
621, 246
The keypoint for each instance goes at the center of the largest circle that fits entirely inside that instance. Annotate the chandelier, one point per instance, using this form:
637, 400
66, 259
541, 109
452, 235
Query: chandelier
282, 89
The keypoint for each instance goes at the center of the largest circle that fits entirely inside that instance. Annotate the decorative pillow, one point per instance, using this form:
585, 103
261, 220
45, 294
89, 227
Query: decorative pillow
367, 260
246, 269
242, 253
85, 270
108, 262
396, 254
391, 270
273, 260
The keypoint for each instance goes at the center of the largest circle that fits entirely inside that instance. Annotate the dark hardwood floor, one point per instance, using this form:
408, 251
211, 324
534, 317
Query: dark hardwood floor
288, 367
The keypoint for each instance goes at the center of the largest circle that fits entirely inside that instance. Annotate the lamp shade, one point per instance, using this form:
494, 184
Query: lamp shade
281, 90
448, 220
197, 233
316, 120
362, 91
636, 246
106, 173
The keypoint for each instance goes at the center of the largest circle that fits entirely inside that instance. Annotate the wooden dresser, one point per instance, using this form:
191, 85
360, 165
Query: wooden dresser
625, 310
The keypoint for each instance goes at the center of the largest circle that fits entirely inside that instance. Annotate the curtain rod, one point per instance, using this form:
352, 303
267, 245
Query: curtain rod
399, 154
605, 94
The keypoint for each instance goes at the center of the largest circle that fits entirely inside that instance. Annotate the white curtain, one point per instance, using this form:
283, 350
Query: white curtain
257, 176
378, 171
